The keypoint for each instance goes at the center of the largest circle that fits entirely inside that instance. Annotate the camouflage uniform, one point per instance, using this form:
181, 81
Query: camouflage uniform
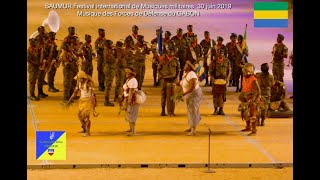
70, 67
168, 74
278, 93
109, 69
188, 35
265, 81
196, 49
220, 68
180, 48
206, 44
232, 50
44, 53
155, 61
238, 64
279, 51
141, 50
88, 53
99, 46
33, 58
54, 57
249, 98
120, 70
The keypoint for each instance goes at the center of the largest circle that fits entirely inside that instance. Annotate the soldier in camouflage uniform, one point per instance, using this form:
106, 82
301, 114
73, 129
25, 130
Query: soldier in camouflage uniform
109, 69
219, 47
193, 52
135, 34
206, 44
53, 59
168, 70
99, 46
180, 45
88, 54
167, 42
265, 80
279, 52
70, 66
220, 68
239, 62
278, 94
188, 35
155, 59
42, 35
232, 50
44, 54
250, 99
121, 64
141, 50
33, 59
128, 52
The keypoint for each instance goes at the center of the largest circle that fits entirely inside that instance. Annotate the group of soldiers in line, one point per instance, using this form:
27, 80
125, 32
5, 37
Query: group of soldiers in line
219, 61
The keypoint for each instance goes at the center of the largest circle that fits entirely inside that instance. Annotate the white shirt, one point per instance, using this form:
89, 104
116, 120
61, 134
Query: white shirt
84, 91
185, 82
132, 83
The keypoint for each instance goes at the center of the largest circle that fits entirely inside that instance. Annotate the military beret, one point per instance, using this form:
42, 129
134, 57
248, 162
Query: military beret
240, 37
264, 67
233, 35
71, 28
109, 42
51, 33
179, 30
87, 36
140, 37
281, 36
206, 32
189, 26
40, 27
31, 40
100, 29
167, 33
219, 38
119, 43
135, 27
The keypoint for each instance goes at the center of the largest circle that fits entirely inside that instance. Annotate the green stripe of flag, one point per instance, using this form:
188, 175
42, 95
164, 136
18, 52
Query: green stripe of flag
270, 6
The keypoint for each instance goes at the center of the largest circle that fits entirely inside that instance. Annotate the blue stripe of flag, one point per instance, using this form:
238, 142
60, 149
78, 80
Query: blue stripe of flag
271, 23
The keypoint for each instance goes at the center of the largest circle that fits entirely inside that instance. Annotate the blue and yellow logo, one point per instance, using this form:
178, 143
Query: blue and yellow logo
51, 145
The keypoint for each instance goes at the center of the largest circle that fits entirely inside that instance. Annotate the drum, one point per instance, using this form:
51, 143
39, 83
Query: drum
219, 86
274, 105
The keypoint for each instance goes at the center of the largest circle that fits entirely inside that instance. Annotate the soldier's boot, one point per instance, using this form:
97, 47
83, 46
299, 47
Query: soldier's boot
262, 122
52, 88
163, 111
254, 129
41, 94
221, 111
215, 111
247, 127
206, 84
107, 102
130, 129
237, 89
230, 83
33, 97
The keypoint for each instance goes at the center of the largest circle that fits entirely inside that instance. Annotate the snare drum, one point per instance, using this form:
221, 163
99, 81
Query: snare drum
275, 105
219, 86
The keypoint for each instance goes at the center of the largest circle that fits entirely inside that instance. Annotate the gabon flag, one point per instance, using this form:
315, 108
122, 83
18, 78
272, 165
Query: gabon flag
270, 14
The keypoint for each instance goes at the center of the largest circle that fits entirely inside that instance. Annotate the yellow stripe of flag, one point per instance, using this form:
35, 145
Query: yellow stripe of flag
270, 15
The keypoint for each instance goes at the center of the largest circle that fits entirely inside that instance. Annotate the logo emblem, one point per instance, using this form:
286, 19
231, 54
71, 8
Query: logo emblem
50, 152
